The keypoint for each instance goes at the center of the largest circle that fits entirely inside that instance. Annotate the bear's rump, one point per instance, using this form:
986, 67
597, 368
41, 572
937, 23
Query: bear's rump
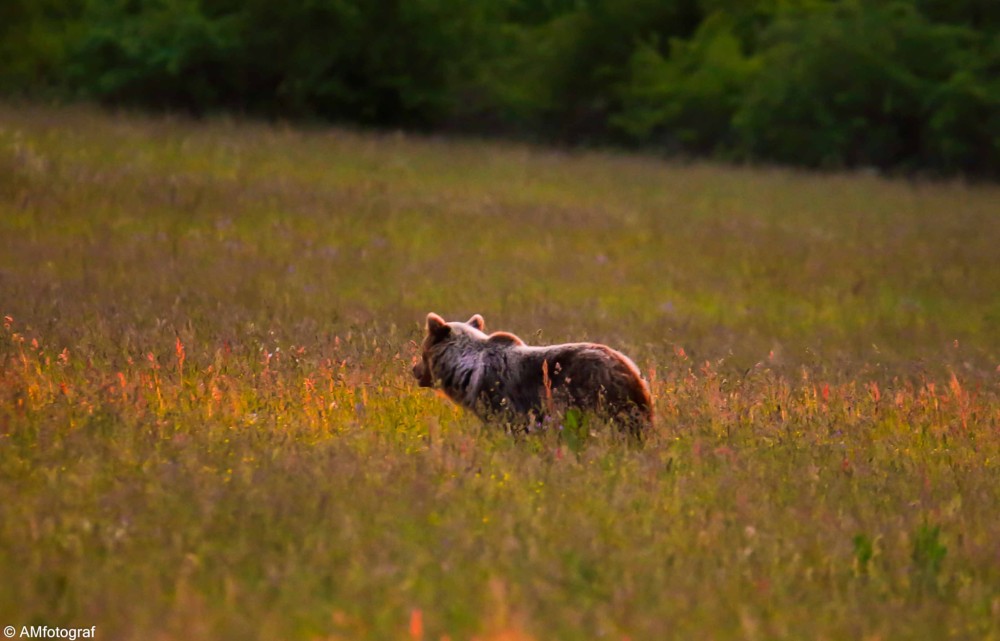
582, 375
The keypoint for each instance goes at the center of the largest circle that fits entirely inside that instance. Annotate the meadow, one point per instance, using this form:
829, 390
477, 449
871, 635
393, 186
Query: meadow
209, 428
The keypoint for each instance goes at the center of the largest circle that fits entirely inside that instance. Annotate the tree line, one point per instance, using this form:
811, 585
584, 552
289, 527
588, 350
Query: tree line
908, 85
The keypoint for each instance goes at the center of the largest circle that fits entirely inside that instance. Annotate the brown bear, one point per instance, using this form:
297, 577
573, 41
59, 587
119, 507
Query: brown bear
497, 376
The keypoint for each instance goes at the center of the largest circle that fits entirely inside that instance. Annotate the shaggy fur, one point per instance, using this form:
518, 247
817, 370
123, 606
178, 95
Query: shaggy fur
498, 376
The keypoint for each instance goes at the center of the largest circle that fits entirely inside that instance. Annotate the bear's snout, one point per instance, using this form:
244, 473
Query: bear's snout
421, 374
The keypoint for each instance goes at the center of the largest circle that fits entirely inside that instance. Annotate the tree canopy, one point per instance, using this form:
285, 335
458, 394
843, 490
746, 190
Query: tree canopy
895, 84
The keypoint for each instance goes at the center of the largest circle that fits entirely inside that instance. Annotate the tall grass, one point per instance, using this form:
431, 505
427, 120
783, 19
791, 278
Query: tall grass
208, 428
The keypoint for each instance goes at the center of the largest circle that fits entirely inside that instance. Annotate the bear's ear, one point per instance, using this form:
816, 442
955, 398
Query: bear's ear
436, 325
477, 322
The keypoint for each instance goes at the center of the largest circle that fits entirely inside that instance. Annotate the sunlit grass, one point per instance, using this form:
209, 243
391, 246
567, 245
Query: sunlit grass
208, 428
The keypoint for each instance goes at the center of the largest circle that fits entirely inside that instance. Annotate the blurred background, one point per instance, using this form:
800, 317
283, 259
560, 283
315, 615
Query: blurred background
904, 85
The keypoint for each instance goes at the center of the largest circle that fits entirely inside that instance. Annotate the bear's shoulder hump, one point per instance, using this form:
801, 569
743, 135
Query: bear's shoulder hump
504, 338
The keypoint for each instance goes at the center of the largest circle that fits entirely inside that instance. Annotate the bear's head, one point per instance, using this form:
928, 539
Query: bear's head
441, 335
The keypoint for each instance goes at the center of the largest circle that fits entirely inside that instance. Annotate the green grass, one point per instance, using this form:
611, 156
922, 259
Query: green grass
208, 428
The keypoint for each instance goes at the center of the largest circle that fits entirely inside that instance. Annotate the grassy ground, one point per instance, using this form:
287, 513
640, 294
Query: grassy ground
208, 428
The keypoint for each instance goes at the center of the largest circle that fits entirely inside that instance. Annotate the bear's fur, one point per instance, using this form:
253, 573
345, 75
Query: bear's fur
497, 376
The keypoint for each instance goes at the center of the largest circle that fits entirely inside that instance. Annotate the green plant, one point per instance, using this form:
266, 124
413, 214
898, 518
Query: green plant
928, 552
864, 550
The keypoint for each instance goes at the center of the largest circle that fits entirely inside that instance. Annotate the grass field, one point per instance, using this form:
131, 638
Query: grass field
208, 427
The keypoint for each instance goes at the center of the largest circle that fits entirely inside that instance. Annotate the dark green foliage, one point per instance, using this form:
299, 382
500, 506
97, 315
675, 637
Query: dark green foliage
906, 84
978, 14
159, 53
34, 37
558, 66
870, 84
605, 35
688, 98
385, 63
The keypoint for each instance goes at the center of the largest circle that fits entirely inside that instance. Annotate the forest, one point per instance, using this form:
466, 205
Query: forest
906, 86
